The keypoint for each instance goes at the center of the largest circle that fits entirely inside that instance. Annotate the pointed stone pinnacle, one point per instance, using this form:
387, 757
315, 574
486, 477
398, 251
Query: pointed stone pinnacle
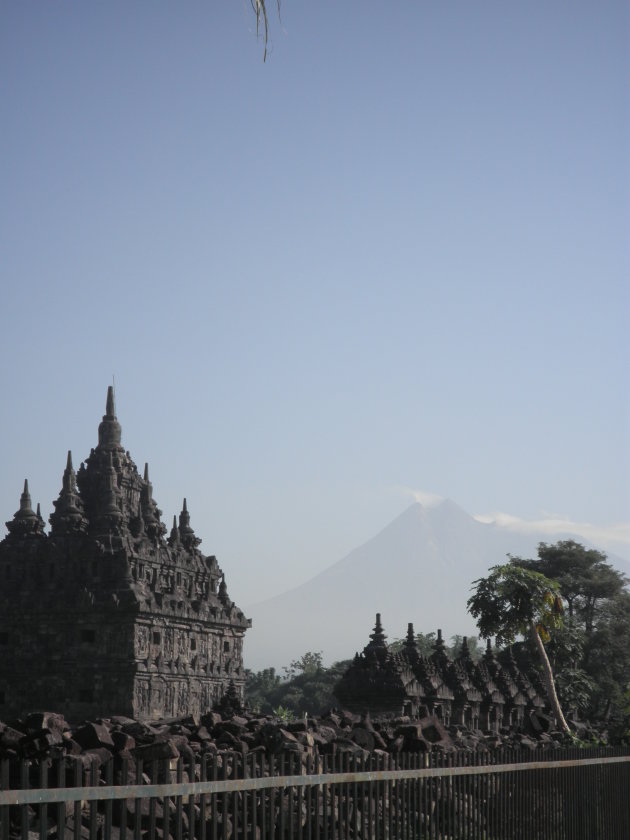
146, 471
109, 430
25, 498
110, 408
69, 462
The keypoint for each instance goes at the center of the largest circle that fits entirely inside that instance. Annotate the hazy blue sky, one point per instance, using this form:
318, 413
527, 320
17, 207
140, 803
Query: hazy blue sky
393, 259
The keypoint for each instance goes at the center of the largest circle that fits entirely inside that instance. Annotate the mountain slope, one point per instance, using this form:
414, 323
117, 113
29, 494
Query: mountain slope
419, 568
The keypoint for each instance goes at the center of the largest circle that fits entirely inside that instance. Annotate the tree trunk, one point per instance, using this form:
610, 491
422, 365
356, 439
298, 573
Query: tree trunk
548, 679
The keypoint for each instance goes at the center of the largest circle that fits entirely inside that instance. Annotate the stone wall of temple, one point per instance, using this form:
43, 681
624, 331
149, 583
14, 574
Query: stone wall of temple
105, 614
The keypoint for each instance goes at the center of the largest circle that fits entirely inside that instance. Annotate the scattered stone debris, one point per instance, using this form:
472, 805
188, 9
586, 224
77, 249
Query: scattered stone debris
48, 734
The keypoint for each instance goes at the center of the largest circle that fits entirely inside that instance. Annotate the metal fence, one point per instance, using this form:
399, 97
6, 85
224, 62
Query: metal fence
566, 794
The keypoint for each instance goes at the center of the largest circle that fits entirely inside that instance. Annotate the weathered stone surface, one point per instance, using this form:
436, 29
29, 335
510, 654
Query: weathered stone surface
158, 749
433, 731
93, 735
323, 736
46, 720
363, 738
105, 613
10, 738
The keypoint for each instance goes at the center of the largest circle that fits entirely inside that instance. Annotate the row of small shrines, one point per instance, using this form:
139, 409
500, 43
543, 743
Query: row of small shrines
485, 695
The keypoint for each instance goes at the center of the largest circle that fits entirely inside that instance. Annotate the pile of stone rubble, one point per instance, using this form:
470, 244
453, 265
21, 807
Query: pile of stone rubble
43, 734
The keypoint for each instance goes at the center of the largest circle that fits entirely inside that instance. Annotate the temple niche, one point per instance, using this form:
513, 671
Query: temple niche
485, 695
110, 612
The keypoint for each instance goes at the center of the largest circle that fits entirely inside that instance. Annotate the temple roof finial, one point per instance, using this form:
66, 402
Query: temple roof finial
174, 536
410, 646
489, 654
68, 514
377, 636
465, 650
186, 533
109, 431
110, 407
223, 593
25, 520
439, 648
25, 502
146, 471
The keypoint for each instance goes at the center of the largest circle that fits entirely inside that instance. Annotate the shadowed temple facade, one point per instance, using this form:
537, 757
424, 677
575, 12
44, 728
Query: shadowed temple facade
105, 613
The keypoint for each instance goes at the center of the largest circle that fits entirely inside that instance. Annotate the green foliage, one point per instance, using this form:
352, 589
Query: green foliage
515, 601
307, 687
590, 652
424, 642
259, 687
284, 714
507, 600
594, 653
584, 578
309, 663
474, 648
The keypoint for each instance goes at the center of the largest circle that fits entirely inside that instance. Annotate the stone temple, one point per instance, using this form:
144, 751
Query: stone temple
486, 695
105, 614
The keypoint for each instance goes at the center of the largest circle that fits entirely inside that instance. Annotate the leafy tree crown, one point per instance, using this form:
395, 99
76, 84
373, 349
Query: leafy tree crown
505, 602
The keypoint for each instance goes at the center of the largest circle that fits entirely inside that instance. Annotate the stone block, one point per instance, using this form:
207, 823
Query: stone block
93, 735
156, 750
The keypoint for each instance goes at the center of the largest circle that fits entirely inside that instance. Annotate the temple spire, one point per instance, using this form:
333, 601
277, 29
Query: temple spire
410, 647
109, 431
68, 514
186, 533
174, 537
25, 521
110, 408
377, 636
489, 657
149, 510
439, 649
25, 499
109, 513
223, 593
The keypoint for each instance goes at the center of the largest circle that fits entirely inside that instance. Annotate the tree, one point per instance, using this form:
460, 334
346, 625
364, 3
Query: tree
591, 655
515, 601
262, 21
306, 689
584, 576
259, 687
309, 663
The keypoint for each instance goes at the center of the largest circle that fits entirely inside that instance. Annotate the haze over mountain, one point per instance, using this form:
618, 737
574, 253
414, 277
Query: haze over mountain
419, 568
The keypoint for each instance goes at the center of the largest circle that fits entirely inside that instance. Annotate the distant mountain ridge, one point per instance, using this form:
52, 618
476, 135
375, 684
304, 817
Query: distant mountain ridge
419, 568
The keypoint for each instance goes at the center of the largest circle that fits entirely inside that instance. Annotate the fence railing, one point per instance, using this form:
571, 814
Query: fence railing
566, 794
